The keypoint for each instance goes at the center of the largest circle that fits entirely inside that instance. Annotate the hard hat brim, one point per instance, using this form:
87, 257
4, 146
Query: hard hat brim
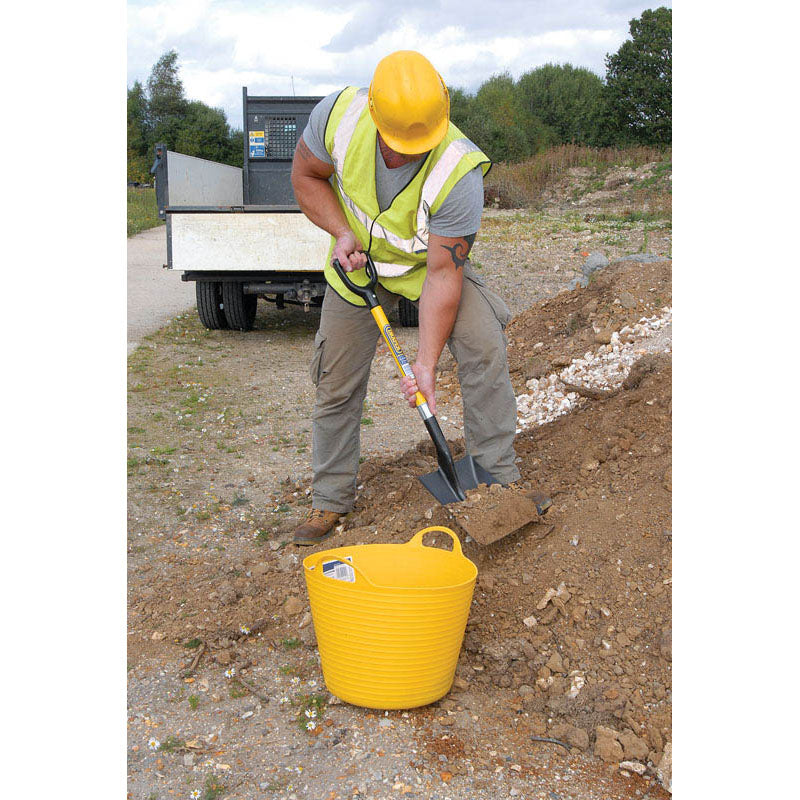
413, 147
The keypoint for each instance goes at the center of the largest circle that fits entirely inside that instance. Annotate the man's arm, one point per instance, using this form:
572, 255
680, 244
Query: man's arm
438, 306
319, 203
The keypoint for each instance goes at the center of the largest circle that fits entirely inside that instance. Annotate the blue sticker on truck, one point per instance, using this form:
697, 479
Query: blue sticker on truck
258, 146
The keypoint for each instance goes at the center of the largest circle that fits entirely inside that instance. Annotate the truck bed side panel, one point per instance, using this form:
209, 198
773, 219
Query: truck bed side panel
198, 182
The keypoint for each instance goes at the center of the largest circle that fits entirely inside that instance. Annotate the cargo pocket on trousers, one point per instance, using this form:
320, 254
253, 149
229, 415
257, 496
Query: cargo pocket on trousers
316, 361
496, 303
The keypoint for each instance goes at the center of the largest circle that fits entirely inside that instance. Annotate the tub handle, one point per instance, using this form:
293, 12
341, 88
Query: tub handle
416, 539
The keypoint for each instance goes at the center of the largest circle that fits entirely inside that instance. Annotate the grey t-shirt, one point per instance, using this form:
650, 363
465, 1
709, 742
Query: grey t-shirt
459, 214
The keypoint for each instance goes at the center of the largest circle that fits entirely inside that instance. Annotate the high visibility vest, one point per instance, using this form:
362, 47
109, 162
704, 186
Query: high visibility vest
397, 238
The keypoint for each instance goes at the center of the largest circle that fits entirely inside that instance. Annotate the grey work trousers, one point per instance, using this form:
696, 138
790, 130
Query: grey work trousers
344, 348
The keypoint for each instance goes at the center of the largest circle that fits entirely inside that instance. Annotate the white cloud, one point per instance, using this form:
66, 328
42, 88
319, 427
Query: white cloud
326, 45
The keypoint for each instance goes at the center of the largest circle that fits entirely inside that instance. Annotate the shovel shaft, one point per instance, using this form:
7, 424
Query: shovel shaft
399, 357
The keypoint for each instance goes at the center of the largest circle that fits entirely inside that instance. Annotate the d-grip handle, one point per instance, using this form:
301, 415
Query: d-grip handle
416, 539
366, 292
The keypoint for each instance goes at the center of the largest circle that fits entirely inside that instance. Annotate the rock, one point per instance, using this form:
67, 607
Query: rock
287, 561
529, 622
158, 636
308, 636
534, 367
627, 300
188, 759
223, 657
664, 768
633, 766
460, 683
604, 336
606, 746
593, 262
292, 606
226, 593
581, 281
526, 690
486, 582
634, 747
571, 734
527, 578
306, 620
665, 644
656, 740
555, 663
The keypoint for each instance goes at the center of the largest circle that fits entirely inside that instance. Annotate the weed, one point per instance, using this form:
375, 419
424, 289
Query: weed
132, 429
213, 788
239, 500
192, 643
312, 709
201, 515
366, 420
291, 644
194, 701
235, 692
262, 536
171, 744
163, 451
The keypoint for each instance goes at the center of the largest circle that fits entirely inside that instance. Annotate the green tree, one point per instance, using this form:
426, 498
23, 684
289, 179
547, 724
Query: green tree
501, 125
569, 100
166, 102
137, 134
203, 132
639, 81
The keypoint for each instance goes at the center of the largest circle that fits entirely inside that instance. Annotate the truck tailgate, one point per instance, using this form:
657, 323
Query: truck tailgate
257, 241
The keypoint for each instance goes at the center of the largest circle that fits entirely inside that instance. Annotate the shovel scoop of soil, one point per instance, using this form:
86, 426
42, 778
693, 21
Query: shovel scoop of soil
491, 512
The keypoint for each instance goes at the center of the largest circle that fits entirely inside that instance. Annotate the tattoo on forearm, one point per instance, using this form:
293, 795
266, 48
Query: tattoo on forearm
303, 150
460, 250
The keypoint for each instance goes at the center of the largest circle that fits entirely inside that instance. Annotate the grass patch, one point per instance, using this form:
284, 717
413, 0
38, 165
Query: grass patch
194, 701
142, 210
291, 644
193, 643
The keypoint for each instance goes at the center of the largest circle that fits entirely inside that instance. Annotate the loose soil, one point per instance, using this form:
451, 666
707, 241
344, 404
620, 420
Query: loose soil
569, 632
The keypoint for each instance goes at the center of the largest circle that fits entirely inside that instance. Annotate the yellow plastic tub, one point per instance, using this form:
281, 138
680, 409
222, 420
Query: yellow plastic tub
390, 619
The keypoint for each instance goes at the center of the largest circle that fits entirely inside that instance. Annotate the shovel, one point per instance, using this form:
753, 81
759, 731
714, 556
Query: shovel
453, 479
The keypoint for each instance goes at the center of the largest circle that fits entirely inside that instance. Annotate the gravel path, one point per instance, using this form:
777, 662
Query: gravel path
155, 295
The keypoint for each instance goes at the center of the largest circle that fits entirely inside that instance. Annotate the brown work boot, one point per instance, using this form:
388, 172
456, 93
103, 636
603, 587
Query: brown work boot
317, 528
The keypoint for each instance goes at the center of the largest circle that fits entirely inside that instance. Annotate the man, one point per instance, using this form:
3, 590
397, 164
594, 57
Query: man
385, 170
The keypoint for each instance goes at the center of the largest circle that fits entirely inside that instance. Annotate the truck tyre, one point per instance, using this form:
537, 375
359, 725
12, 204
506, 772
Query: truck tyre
209, 305
240, 308
409, 313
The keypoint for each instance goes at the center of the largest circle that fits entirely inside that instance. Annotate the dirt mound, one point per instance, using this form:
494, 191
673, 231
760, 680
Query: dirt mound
571, 616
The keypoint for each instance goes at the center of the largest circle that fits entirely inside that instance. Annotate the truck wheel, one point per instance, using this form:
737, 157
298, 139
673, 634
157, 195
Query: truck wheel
240, 308
409, 313
209, 305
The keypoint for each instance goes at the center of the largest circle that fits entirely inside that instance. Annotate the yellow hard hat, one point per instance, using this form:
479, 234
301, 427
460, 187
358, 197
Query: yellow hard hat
409, 102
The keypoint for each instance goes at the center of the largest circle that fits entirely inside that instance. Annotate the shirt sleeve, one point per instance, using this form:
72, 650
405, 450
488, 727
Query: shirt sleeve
314, 133
460, 213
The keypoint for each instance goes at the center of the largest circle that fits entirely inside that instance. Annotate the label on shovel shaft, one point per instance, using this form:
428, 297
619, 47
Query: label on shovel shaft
394, 346
338, 570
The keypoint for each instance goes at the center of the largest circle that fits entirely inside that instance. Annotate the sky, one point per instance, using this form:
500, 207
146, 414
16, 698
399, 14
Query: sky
314, 48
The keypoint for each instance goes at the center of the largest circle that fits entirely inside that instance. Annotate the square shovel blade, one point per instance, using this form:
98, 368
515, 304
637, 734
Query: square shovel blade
469, 473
